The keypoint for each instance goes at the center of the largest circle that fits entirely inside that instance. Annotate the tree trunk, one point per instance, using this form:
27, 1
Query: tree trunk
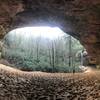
53, 57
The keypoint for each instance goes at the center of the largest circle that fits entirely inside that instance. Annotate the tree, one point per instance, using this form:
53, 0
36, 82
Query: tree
53, 55
40, 53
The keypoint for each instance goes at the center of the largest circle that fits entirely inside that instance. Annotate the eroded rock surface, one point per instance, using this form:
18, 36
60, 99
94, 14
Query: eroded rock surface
79, 18
18, 85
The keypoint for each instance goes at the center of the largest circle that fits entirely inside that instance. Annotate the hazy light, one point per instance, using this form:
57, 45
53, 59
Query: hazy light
87, 69
46, 32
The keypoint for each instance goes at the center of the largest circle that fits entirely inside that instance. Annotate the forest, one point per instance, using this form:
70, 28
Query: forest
30, 53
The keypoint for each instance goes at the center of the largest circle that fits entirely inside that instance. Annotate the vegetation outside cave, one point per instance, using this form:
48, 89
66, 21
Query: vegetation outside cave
30, 53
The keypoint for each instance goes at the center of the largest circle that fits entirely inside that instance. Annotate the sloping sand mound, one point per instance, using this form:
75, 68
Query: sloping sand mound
19, 85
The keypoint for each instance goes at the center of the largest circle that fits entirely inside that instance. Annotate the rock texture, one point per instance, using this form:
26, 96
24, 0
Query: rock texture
18, 85
79, 18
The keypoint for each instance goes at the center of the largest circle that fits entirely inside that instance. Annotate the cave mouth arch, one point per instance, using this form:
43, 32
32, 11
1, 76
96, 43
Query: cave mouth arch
32, 48
77, 22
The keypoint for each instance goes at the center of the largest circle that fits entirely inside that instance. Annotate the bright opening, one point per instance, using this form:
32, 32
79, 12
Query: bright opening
44, 32
42, 49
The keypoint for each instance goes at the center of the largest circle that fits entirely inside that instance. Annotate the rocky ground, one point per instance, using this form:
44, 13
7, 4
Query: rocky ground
18, 85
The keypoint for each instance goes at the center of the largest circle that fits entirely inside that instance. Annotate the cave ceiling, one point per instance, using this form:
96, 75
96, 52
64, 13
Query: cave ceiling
79, 18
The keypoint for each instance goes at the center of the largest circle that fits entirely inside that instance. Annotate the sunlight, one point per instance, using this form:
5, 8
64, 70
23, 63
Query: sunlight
46, 32
41, 49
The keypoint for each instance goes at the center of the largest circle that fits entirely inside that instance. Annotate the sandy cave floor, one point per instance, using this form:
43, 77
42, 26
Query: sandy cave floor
19, 85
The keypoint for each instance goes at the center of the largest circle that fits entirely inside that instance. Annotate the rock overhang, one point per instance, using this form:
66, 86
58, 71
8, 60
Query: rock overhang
79, 18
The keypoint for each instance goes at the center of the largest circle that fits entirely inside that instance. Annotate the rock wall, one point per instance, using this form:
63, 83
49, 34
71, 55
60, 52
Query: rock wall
79, 18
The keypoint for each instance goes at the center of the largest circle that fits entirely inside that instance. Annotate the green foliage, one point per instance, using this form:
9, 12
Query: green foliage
41, 54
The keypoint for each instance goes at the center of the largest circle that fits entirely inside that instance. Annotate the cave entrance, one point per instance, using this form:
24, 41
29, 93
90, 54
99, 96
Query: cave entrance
44, 49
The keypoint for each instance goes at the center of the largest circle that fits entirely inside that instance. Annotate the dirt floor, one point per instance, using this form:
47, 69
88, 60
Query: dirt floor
18, 85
